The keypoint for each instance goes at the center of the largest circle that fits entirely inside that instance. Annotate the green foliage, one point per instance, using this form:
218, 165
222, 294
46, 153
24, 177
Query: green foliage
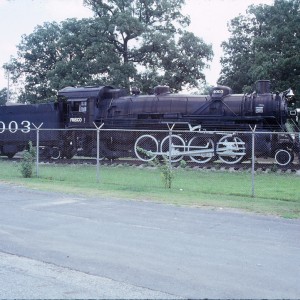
27, 162
183, 163
274, 168
276, 193
166, 170
58, 55
163, 165
3, 96
264, 44
128, 43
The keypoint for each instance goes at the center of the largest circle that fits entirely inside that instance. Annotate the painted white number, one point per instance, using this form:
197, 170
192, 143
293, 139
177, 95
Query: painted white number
218, 91
13, 126
26, 125
2, 127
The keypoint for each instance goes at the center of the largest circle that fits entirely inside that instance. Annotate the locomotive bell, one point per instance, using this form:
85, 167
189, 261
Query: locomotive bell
290, 93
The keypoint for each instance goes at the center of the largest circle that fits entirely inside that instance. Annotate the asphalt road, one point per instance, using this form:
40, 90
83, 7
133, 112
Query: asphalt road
55, 245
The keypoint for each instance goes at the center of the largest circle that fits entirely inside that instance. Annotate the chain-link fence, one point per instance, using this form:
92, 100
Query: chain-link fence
248, 154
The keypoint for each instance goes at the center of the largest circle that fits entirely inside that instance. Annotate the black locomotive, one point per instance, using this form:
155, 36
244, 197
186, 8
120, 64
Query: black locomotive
197, 120
221, 110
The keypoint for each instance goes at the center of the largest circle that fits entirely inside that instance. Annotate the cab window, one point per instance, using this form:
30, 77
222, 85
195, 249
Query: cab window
82, 106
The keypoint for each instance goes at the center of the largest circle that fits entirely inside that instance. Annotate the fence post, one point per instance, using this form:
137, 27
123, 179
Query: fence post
37, 147
98, 151
170, 144
253, 161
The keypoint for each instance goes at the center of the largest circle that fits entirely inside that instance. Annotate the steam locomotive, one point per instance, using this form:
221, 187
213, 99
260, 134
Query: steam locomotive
196, 121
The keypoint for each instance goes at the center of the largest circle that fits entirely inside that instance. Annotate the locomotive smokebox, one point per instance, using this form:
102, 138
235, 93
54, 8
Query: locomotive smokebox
263, 86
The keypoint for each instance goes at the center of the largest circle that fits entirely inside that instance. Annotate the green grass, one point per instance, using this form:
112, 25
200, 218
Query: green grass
275, 194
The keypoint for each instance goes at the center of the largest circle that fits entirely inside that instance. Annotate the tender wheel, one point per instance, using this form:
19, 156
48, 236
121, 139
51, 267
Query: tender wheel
177, 147
230, 149
146, 147
55, 153
68, 155
68, 152
203, 149
10, 155
44, 152
284, 157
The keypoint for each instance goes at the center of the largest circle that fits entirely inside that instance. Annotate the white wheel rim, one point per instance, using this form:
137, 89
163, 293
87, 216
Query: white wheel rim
279, 152
56, 156
210, 144
166, 139
223, 157
136, 146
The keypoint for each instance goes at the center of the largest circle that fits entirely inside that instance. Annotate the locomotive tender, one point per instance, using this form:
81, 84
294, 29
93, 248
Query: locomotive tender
196, 119
18, 121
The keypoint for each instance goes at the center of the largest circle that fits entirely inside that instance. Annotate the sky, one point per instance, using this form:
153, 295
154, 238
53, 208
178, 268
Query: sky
209, 20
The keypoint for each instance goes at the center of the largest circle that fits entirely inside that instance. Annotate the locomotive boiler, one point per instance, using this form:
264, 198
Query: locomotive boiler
87, 107
220, 110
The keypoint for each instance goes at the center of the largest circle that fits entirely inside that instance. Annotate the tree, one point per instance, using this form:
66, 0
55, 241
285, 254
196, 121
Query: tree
238, 55
149, 37
264, 45
58, 55
3, 96
128, 43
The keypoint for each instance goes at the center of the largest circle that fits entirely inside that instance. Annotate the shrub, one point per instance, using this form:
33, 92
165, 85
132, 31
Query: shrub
27, 162
164, 166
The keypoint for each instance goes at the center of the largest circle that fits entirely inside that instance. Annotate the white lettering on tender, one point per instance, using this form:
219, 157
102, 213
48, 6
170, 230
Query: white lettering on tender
2, 127
13, 126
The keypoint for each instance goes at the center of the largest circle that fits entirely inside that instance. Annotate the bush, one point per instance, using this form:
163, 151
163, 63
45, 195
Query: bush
27, 162
167, 173
164, 166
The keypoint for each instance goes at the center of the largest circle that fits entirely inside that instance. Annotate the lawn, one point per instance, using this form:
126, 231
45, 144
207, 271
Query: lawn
275, 194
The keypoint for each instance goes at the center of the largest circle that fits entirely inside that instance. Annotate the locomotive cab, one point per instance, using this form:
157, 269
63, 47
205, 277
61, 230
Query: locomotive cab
76, 111
81, 105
